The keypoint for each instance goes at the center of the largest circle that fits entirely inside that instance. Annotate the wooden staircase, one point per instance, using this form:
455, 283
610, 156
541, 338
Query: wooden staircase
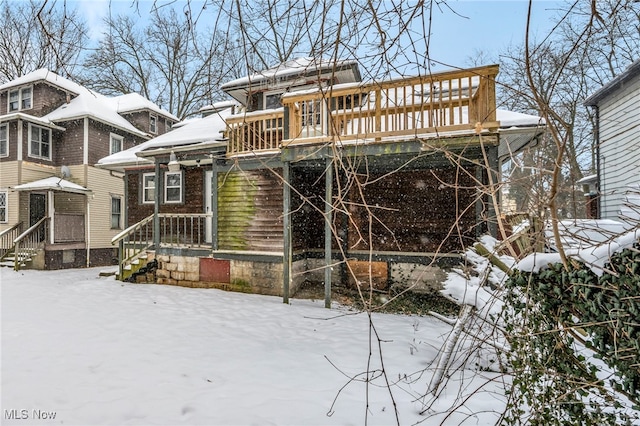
17, 248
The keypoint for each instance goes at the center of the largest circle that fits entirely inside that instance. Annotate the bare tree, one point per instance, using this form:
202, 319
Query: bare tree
169, 61
37, 35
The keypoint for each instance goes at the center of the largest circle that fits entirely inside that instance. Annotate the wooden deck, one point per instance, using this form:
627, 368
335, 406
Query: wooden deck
454, 102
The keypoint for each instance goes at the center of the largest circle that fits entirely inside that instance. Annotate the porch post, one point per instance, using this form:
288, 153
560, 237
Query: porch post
156, 207
286, 228
52, 212
328, 208
87, 230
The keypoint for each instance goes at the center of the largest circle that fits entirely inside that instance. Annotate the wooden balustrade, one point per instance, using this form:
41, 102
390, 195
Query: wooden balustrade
425, 106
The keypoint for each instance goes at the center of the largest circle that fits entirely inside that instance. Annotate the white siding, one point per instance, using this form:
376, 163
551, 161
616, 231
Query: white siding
619, 148
104, 185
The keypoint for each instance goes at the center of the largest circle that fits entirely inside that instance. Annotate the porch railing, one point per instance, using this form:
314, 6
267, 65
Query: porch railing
454, 101
175, 230
7, 238
30, 241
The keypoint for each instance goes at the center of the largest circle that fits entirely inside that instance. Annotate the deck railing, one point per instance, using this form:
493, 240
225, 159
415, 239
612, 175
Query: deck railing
176, 230
425, 106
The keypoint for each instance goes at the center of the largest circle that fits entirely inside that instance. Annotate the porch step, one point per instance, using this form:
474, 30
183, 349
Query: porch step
133, 267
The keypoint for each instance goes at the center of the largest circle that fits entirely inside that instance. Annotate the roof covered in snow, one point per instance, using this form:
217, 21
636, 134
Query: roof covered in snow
193, 131
50, 77
52, 183
88, 103
618, 83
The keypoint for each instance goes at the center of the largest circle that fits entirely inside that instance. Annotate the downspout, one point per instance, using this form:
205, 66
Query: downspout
88, 231
596, 141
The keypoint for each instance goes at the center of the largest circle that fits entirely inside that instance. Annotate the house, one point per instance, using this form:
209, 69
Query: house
56, 209
617, 141
315, 175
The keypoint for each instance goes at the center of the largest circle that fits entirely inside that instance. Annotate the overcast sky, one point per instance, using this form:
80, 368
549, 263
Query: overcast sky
476, 25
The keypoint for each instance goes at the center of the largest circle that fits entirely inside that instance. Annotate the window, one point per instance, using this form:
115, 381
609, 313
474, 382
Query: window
311, 113
39, 142
173, 187
153, 122
20, 99
3, 207
148, 188
272, 100
116, 212
116, 143
4, 140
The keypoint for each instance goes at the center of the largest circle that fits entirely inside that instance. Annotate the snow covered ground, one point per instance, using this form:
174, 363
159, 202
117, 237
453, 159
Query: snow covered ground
91, 350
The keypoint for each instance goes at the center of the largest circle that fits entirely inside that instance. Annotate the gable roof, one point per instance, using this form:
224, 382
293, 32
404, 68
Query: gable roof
132, 102
618, 83
88, 103
50, 77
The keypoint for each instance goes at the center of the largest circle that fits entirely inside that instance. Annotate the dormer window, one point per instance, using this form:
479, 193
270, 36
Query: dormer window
20, 99
115, 144
153, 124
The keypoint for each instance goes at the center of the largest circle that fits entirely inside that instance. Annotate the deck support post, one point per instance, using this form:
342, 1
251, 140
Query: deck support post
214, 205
286, 225
328, 209
156, 207
492, 156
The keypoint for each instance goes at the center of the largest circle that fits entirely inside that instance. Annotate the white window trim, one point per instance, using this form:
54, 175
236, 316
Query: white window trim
116, 197
166, 176
144, 188
20, 98
155, 130
5, 154
117, 137
6, 206
31, 126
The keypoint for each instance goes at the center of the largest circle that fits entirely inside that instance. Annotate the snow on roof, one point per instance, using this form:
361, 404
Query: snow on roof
91, 104
52, 183
135, 102
205, 129
292, 67
49, 77
88, 103
517, 119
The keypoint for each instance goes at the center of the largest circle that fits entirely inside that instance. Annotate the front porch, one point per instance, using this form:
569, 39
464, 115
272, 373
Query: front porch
56, 212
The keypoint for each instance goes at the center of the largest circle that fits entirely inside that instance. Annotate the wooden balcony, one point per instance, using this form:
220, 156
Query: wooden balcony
448, 103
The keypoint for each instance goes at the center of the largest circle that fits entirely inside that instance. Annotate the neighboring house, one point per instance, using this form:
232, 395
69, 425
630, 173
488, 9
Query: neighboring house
62, 210
617, 134
403, 164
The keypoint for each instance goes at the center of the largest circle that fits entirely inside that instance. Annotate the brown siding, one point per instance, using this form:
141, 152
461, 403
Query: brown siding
69, 145
193, 195
12, 142
140, 120
99, 140
46, 98
250, 211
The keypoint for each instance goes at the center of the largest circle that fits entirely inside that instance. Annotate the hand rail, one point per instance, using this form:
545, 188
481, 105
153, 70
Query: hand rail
7, 237
31, 238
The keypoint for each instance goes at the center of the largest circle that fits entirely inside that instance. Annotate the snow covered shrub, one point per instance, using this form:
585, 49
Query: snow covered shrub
574, 338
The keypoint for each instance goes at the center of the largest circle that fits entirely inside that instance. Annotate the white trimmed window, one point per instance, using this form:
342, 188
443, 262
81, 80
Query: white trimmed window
20, 99
148, 188
115, 143
39, 142
4, 140
4, 214
153, 123
273, 100
311, 111
116, 212
173, 187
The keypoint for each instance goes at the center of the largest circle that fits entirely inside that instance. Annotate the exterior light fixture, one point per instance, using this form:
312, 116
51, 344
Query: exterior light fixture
173, 165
